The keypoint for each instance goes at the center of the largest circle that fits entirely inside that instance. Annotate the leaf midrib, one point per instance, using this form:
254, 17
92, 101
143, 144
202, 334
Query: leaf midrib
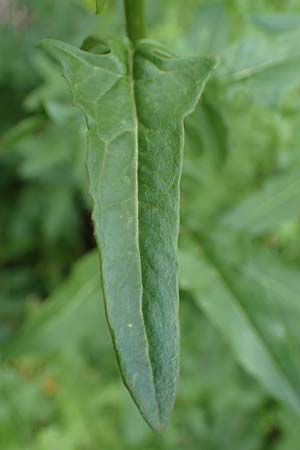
132, 87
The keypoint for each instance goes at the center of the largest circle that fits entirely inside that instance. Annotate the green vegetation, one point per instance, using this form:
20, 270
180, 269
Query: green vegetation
239, 386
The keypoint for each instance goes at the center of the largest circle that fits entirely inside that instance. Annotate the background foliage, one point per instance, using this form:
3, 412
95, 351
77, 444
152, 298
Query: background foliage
239, 245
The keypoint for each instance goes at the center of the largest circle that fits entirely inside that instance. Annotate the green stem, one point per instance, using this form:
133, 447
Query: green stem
135, 19
99, 6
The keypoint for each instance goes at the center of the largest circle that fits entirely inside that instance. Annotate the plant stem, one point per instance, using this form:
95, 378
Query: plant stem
99, 6
135, 19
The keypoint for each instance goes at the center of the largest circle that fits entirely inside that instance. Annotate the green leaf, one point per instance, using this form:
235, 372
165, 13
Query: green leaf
135, 102
274, 204
23, 128
207, 30
68, 315
206, 130
266, 69
254, 304
276, 23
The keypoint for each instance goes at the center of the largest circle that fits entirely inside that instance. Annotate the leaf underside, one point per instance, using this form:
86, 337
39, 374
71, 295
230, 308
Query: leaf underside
135, 102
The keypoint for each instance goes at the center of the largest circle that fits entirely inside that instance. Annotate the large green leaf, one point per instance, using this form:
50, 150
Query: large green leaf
135, 102
254, 304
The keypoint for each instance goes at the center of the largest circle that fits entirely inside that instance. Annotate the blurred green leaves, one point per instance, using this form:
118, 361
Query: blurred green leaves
60, 387
275, 203
62, 384
68, 317
256, 311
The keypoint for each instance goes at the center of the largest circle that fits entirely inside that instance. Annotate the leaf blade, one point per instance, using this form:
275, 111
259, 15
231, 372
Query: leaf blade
134, 164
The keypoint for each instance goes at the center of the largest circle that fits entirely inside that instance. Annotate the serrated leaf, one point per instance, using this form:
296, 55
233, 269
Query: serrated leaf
135, 102
255, 306
277, 202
